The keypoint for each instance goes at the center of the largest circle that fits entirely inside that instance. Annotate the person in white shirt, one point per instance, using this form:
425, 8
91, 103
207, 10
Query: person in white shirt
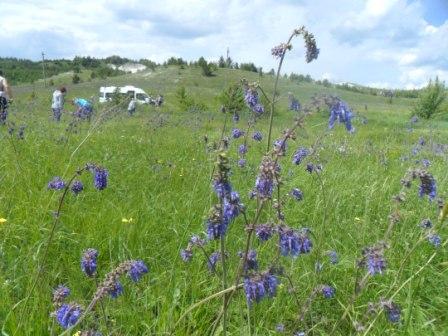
5, 98
132, 106
57, 104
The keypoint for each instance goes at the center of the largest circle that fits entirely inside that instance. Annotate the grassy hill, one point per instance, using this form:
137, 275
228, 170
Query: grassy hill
159, 194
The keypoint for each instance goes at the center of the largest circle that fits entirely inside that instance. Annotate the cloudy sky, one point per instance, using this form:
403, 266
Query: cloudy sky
383, 43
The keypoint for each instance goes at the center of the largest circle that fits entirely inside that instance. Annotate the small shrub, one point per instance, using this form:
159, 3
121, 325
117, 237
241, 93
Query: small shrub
187, 102
76, 79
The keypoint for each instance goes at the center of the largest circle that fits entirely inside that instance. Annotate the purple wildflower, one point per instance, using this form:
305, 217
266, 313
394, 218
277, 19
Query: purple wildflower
56, 184
61, 291
280, 327
334, 259
222, 189
213, 260
373, 259
421, 141
264, 231
257, 136
196, 240
232, 206
299, 155
264, 187
216, 229
251, 261
259, 109
264, 184
236, 133
242, 163
427, 185
293, 243
297, 194
299, 333
242, 149
435, 240
392, 310
68, 314
312, 52
426, 163
59, 294
280, 146
116, 290
251, 97
309, 167
426, 223
186, 255
260, 286
138, 268
279, 51
327, 291
100, 178
77, 187
341, 112
236, 117
88, 262
217, 223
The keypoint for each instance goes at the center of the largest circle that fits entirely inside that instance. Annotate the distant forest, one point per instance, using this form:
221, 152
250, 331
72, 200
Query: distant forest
25, 71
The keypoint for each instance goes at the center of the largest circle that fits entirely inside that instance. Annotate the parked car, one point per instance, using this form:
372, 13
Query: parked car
141, 97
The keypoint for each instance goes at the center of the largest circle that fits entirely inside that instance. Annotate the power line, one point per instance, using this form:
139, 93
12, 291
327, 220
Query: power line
43, 69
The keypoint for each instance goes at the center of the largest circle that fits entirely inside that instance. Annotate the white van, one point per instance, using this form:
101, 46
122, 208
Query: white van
107, 92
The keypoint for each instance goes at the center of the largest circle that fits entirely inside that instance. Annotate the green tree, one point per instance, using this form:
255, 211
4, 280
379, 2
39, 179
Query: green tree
207, 68
76, 79
431, 99
222, 62
233, 99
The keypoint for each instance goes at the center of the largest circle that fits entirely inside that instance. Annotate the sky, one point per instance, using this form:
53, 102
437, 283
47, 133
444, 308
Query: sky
380, 43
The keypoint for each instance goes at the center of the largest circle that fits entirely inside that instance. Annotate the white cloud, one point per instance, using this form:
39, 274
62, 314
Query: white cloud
374, 41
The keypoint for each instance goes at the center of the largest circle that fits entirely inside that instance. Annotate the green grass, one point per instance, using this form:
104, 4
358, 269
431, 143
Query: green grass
160, 177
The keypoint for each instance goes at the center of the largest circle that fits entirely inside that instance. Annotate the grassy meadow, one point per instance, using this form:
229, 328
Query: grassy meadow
159, 194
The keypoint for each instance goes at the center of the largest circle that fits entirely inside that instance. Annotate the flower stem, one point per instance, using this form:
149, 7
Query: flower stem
200, 303
224, 275
40, 268
274, 94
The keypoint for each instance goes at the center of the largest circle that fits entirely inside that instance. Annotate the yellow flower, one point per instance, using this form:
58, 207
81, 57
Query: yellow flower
357, 219
78, 333
125, 220
3, 220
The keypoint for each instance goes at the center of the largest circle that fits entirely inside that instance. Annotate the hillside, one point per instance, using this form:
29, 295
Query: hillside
156, 191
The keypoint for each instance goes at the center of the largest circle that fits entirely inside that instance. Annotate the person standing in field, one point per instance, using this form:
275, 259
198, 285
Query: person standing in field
84, 108
5, 98
132, 106
57, 104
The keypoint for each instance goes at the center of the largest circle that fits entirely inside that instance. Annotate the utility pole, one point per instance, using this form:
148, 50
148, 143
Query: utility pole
43, 69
